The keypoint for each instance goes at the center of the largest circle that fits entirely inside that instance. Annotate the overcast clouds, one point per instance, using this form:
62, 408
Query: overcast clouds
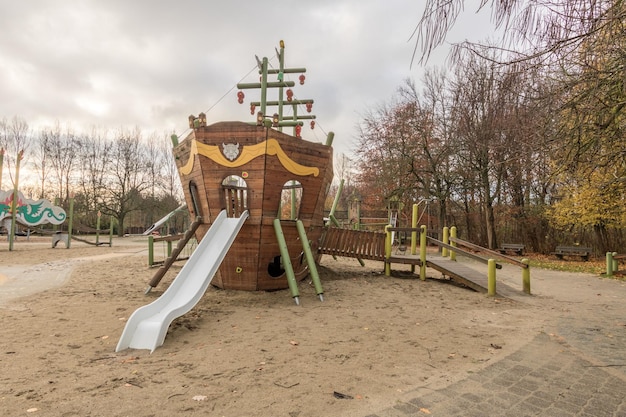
127, 63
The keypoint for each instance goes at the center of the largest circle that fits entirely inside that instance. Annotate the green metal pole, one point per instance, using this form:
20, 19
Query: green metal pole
453, 234
615, 265
284, 253
491, 277
310, 260
20, 155
387, 250
446, 240
70, 224
423, 252
150, 250
526, 276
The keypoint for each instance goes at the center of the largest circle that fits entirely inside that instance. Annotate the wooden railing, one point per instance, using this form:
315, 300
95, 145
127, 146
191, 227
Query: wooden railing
353, 243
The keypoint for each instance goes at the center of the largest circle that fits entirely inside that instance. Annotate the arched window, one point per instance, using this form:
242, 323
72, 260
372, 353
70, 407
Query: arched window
195, 201
235, 194
290, 200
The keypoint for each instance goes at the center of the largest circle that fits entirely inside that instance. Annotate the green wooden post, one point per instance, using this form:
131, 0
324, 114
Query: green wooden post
387, 250
446, 240
615, 264
414, 234
1, 163
111, 232
329, 138
453, 234
310, 260
98, 228
491, 277
264, 86
526, 276
169, 248
336, 200
284, 254
20, 155
150, 250
70, 223
423, 252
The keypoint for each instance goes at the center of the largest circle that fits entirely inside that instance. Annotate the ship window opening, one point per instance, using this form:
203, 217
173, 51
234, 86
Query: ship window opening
235, 194
274, 268
195, 201
290, 200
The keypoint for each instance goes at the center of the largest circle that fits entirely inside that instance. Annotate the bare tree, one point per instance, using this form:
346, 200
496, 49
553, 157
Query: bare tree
95, 159
61, 146
14, 138
128, 177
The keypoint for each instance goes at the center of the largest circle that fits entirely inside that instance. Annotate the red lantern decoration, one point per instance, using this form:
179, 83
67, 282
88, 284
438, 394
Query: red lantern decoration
240, 97
309, 106
289, 94
298, 130
302, 78
312, 124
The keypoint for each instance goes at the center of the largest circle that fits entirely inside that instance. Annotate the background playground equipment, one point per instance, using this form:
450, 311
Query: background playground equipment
66, 237
17, 209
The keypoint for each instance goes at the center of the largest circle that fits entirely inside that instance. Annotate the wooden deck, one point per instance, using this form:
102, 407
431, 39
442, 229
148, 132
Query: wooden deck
371, 245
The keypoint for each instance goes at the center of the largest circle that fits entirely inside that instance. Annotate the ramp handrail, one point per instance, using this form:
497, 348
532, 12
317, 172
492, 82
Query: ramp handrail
169, 261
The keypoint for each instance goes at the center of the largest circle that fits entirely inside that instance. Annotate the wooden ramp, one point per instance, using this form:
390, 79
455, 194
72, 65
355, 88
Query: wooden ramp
467, 276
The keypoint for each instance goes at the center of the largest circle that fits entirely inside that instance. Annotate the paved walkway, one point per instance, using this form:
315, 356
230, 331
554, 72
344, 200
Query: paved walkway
576, 367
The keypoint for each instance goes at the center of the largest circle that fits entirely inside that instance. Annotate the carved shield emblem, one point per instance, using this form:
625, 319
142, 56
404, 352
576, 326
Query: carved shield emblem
230, 150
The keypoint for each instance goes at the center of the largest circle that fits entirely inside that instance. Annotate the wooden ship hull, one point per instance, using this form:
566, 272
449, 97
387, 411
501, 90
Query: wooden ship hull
236, 166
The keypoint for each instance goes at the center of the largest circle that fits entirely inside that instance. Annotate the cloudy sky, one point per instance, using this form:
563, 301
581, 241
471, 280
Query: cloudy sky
127, 63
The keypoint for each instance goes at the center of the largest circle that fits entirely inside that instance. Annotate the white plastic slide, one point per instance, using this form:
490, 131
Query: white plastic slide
147, 326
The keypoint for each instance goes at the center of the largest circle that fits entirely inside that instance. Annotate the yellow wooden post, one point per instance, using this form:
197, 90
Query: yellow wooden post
491, 277
446, 240
387, 250
453, 234
423, 252
526, 276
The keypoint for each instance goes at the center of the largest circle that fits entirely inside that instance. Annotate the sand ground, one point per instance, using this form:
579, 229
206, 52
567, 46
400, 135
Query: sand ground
237, 353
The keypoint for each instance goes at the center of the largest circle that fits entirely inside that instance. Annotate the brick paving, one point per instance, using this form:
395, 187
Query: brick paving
576, 367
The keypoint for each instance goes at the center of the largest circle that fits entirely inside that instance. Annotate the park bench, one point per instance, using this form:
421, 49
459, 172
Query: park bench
517, 248
581, 251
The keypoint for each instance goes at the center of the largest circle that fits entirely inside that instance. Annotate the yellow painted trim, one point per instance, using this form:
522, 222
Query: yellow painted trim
248, 153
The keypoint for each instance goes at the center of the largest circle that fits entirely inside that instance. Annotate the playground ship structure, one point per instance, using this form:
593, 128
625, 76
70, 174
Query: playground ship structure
256, 167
